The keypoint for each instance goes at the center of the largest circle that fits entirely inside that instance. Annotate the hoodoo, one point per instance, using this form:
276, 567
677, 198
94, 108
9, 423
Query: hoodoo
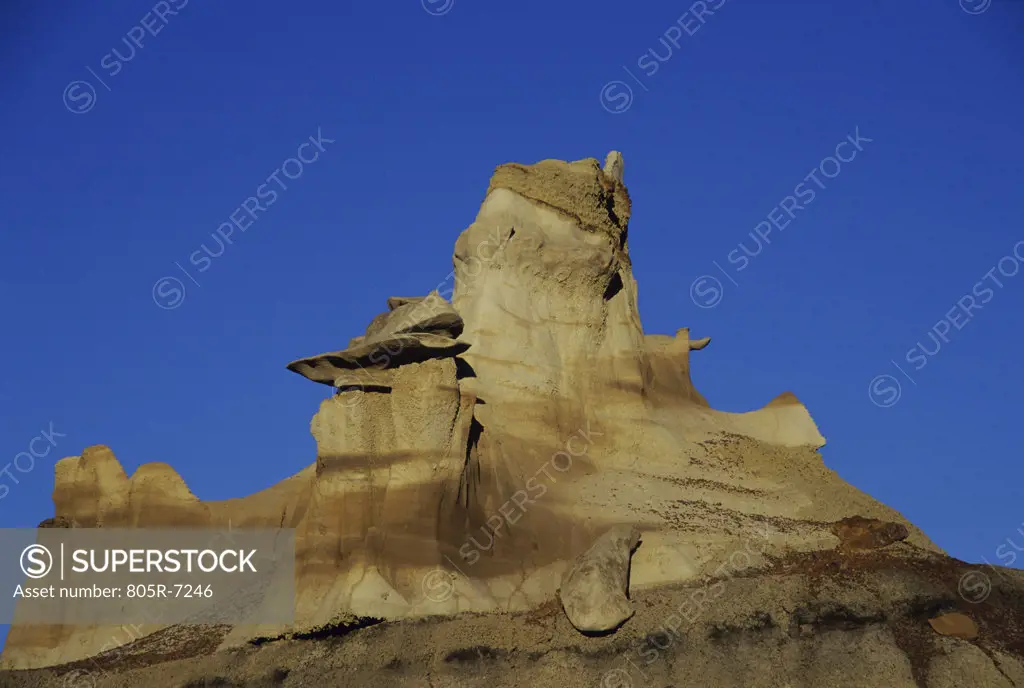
520, 446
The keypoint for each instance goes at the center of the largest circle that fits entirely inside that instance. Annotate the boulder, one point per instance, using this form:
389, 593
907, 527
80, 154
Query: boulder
595, 590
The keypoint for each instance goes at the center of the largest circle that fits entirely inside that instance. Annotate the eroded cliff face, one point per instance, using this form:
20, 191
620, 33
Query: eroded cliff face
475, 446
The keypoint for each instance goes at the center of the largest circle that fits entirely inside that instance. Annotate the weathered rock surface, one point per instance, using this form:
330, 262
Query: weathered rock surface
428, 314
614, 167
955, 624
477, 447
595, 589
412, 330
381, 353
859, 533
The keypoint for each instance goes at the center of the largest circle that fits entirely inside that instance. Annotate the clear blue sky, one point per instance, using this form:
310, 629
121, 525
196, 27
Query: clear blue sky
99, 205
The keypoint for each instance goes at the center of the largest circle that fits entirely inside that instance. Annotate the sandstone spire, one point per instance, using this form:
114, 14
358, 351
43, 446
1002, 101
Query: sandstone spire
614, 167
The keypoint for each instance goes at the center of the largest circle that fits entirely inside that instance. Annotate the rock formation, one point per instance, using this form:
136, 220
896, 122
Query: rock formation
410, 331
481, 439
595, 589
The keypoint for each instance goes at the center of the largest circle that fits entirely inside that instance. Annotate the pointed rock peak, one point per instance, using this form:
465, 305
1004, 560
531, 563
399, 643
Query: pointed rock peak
158, 470
614, 167
99, 454
785, 399
96, 461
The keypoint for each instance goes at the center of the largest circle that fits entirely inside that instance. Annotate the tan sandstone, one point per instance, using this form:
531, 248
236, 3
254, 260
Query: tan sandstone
480, 441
